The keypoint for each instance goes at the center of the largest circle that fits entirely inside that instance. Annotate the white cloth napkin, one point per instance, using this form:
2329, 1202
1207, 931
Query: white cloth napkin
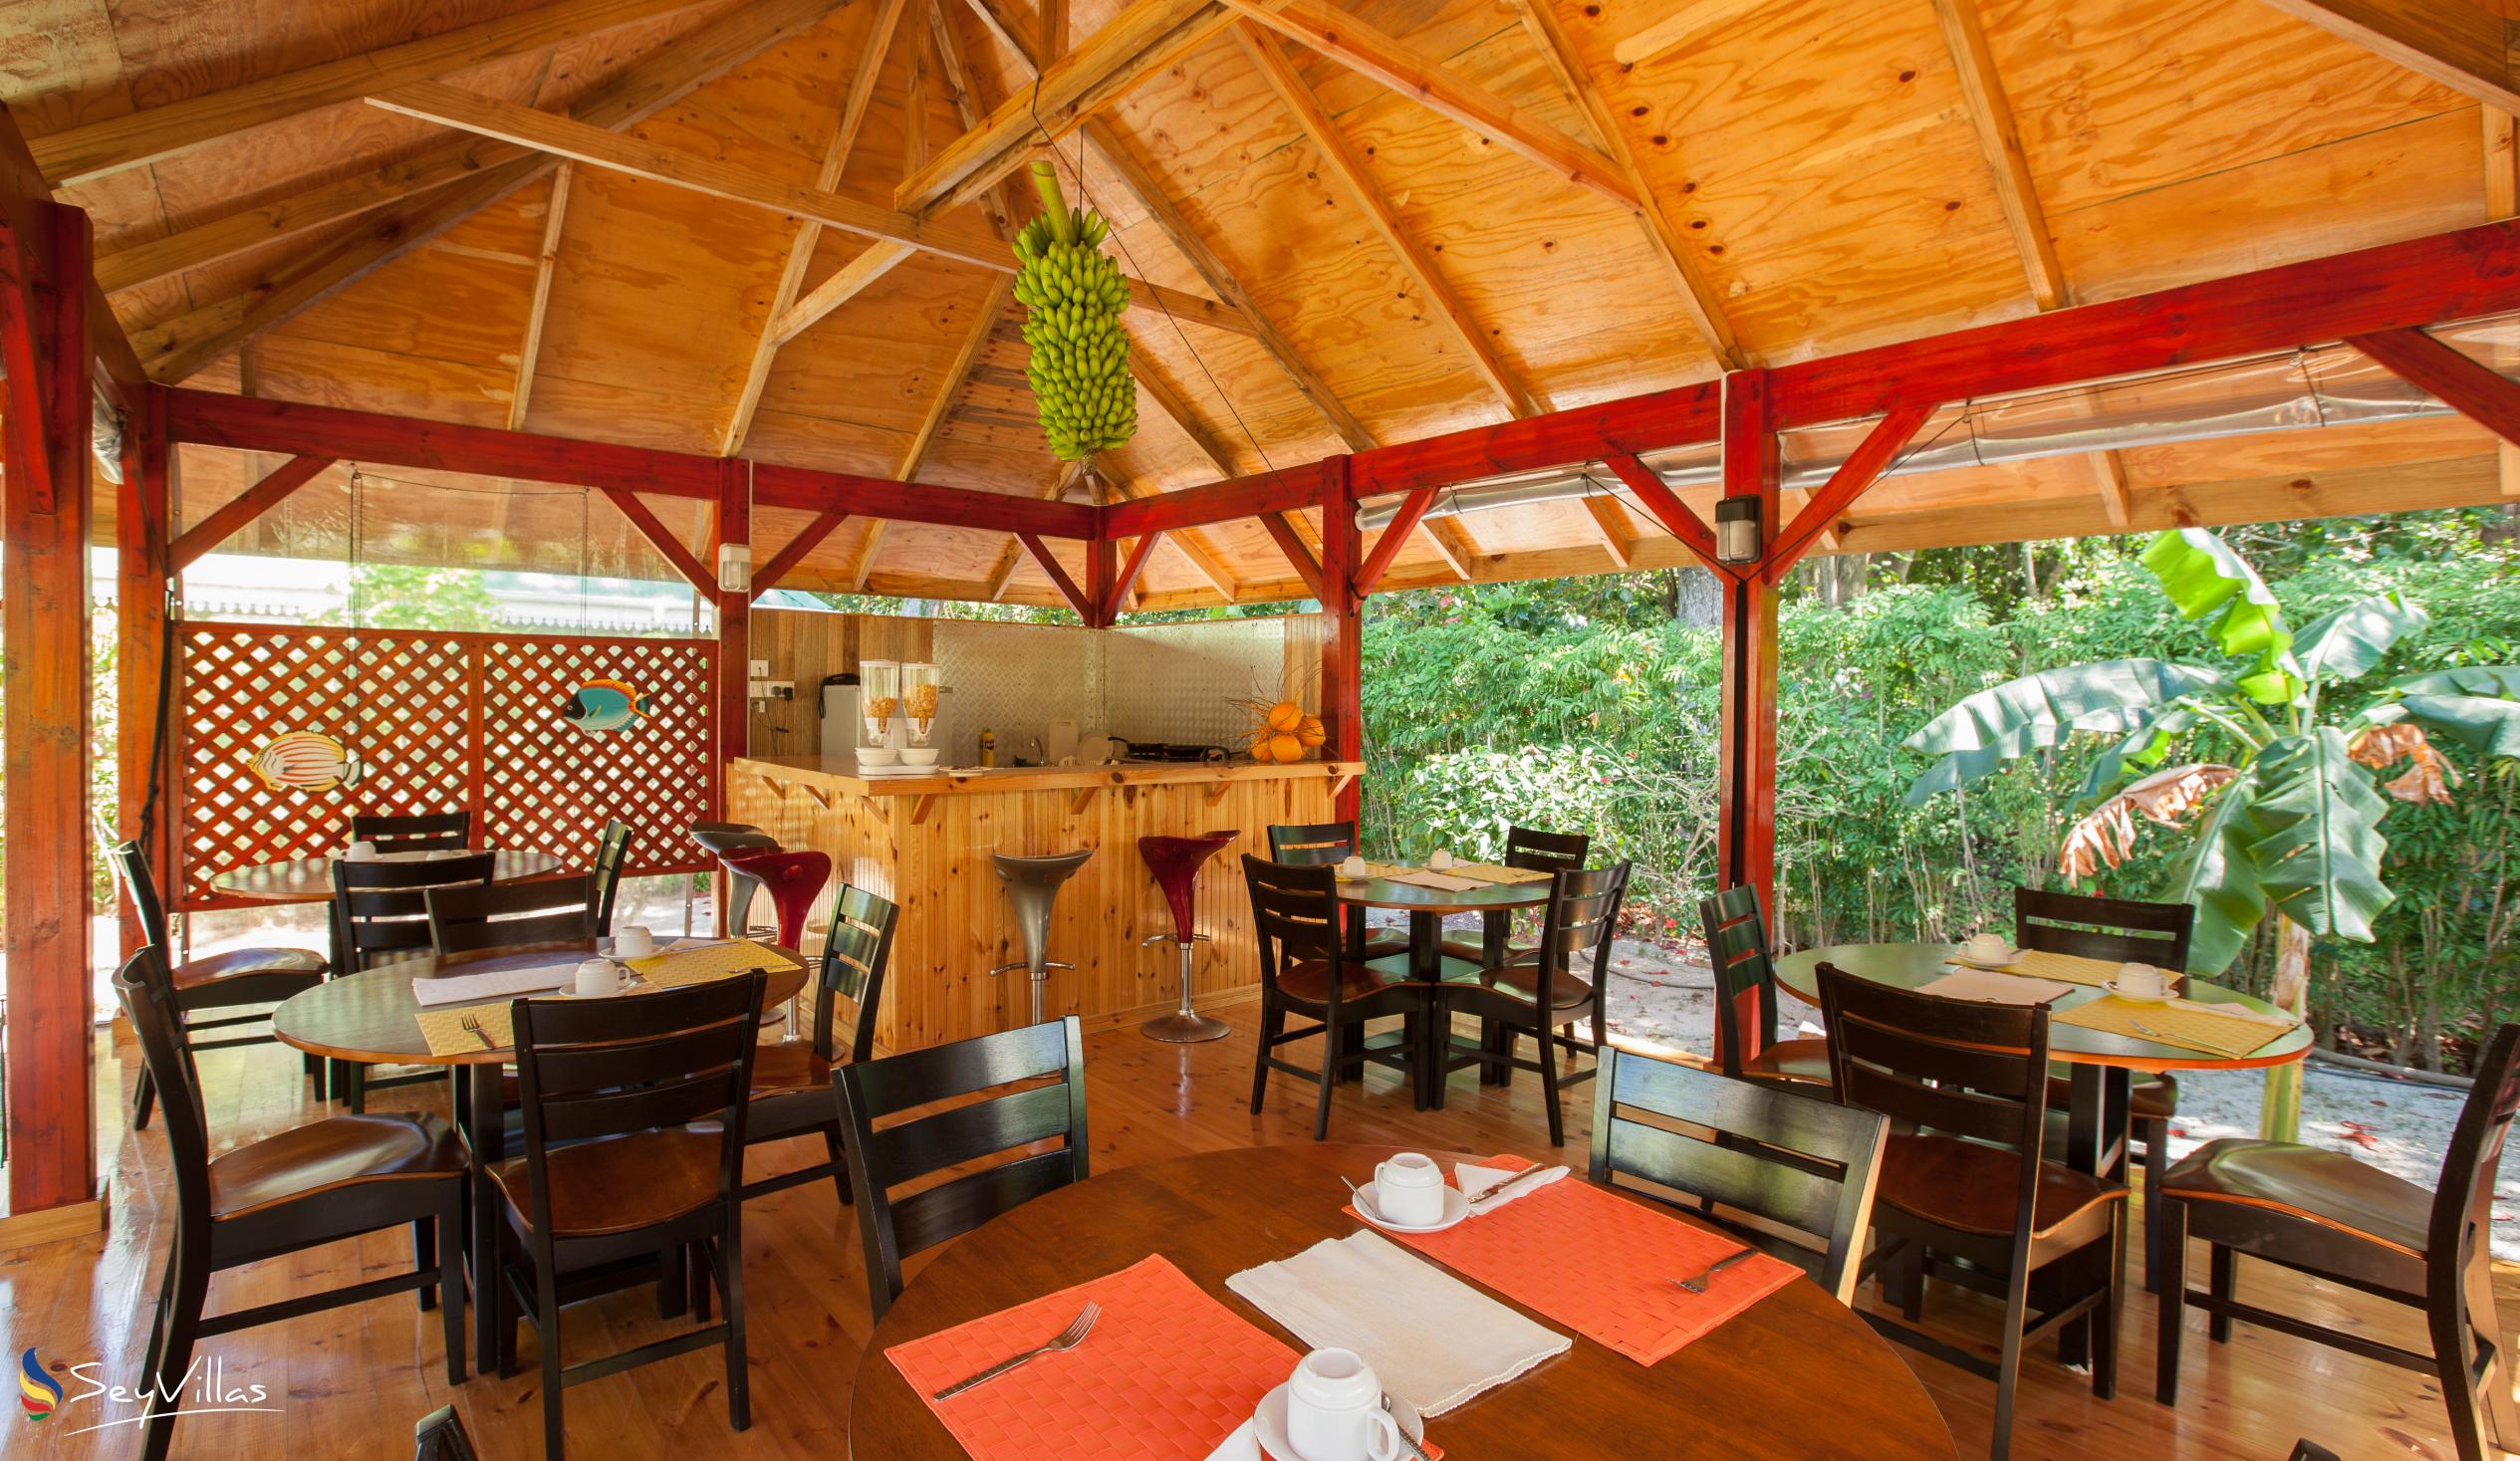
1439, 881
1477, 1180
1242, 1446
1433, 1340
460, 988
2240, 1012
2003, 989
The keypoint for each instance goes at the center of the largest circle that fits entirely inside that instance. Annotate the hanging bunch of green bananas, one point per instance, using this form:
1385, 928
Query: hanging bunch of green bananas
1073, 295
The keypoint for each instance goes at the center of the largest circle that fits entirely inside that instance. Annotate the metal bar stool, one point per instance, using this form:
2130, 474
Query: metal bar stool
1174, 861
795, 880
718, 838
1032, 886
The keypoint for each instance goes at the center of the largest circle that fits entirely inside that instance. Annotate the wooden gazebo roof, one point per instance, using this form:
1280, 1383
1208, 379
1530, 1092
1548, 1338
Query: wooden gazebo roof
727, 228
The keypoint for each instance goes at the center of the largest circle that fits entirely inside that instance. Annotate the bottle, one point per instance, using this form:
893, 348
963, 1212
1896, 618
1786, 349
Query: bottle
988, 748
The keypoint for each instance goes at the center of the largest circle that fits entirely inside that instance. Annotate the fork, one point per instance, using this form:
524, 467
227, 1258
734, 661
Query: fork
473, 1023
1068, 1339
1698, 1285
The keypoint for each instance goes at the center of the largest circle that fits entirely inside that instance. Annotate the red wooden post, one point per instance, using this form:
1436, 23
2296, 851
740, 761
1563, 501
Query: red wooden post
1745, 847
1100, 575
734, 618
1343, 657
144, 750
45, 514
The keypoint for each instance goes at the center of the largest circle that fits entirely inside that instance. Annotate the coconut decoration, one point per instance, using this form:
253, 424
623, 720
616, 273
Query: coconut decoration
1282, 732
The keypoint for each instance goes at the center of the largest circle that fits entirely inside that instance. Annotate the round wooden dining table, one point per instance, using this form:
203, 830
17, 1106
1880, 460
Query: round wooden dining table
1425, 962
310, 879
372, 1018
1796, 1375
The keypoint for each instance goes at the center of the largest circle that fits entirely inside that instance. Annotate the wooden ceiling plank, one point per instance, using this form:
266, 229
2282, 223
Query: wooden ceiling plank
1856, 475
232, 516
182, 345
1387, 59
1452, 540
2116, 498
1699, 299
2464, 44
1142, 39
809, 234
662, 539
555, 212
847, 282
1999, 137
957, 239
1308, 568
153, 134
805, 541
1267, 52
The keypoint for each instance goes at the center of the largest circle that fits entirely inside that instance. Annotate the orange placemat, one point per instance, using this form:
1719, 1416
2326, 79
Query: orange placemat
1168, 1372
1603, 1265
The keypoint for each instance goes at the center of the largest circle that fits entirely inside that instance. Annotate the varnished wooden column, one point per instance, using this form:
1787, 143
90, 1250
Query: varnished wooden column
734, 619
143, 529
1343, 659
45, 516
1745, 847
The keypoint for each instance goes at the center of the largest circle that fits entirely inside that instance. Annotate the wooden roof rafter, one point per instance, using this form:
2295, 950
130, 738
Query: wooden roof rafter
546, 263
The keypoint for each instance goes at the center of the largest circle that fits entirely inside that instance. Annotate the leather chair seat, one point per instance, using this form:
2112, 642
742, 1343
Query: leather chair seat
1792, 1060
2324, 1187
789, 1065
1310, 981
337, 1151
619, 1184
1521, 980
235, 964
1476, 953
1972, 1188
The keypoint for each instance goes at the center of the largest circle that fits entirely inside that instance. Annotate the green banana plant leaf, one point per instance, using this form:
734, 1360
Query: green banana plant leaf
2203, 576
2313, 833
2501, 681
2145, 746
2485, 725
2217, 875
2347, 643
1997, 724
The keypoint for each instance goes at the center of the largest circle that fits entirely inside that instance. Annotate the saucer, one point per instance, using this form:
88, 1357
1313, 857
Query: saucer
1269, 1422
1456, 1206
2164, 997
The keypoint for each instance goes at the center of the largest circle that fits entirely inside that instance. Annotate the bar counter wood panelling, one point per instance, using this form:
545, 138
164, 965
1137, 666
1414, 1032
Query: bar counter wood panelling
927, 842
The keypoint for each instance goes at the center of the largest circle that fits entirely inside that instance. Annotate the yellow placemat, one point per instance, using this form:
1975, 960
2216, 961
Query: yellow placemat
715, 961
1492, 873
2192, 1025
444, 1030
2072, 968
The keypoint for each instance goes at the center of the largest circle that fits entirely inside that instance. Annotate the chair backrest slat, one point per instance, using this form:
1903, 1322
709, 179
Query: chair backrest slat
2121, 930
1313, 843
380, 908
149, 998
1534, 851
427, 831
883, 1157
1745, 975
856, 952
142, 887
481, 918
1295, 916
1579, 921
2458, 1240
611, 855
1781, 1154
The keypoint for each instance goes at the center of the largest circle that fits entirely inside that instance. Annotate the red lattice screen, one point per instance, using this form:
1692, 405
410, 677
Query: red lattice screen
440, 720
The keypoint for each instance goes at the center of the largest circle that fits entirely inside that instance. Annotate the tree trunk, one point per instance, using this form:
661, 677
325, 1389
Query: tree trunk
1697, 600
2280, 1118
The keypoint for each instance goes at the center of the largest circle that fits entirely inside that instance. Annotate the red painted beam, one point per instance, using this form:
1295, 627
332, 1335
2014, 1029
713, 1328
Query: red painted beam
1059, 579
1560, 438
1298, 556
1667, 509
731, 523
662, 538
1862, 468
144, 752
1745, 842
1387, 546
232, 516
1127, 576
1343, 657
807, 490
2476, 392
1261, 495
767, 577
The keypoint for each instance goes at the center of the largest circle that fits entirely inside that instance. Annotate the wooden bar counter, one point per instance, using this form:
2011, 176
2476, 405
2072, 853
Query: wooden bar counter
927, 843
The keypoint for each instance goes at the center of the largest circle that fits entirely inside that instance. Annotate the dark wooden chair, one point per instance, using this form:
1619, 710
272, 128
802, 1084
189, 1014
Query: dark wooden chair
884, 1157
1964, 1192
1306, 968
335, 1179
2125, 930
1745, 995
1789, 1158
1327, 844
611, 855
484, 920
791, 1080
1540, 993
634, 1147
440, 1436
2325, 1214
425, 832
379, 914
251, 978
1533, 850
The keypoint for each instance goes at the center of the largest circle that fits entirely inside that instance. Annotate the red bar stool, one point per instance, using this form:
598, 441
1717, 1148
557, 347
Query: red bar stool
1174, 861
794, 880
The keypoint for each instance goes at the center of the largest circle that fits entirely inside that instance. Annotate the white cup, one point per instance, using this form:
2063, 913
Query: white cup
1439, 860
1409, 1190
1334, 1411
598, 977
633, 942
2144, 981
361, 851
1986, 948
1352, 865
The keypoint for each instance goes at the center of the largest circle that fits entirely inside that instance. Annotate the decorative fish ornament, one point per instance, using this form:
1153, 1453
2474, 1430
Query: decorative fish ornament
605, 706
305, 761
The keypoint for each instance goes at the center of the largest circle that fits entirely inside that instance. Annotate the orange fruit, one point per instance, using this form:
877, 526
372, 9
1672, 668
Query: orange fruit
1285, 748
1261, 749
1285, 715
1310, 732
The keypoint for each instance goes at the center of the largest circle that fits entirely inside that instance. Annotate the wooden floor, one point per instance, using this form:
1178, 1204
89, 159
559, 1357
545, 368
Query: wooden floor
352, 1381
